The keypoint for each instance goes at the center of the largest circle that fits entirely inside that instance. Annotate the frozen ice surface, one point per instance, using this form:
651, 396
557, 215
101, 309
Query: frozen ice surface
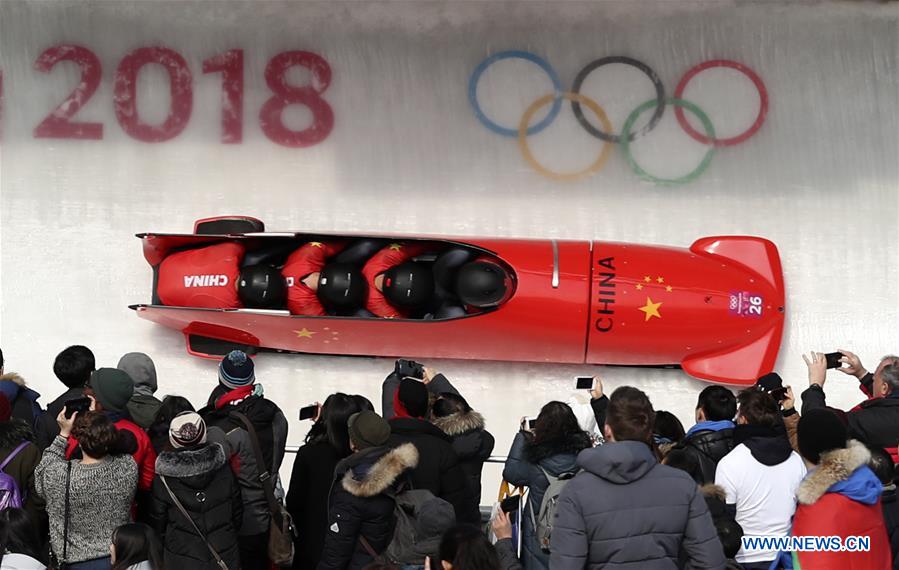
407, 155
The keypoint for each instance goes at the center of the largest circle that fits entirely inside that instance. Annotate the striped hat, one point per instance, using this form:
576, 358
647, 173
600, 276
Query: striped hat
187, 429
236, 370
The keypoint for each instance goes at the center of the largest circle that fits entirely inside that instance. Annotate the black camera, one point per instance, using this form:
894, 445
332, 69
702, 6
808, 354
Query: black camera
411, 368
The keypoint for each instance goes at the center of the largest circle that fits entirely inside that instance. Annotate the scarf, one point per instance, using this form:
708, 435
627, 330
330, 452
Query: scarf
238, 395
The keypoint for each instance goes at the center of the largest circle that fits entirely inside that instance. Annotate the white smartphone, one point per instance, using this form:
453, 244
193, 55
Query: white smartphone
530, 423
584, 382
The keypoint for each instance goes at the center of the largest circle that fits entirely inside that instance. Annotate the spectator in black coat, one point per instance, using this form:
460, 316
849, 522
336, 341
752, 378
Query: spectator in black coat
874, 421
360, 513
439, 470
73, 367
882, 465
471, 441
239, 392
313, 473
713, 435
199, 475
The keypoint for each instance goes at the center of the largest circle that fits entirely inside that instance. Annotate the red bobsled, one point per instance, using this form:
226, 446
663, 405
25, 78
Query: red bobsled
715, 309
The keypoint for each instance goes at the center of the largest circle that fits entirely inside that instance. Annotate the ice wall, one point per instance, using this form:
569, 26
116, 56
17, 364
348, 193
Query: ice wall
408, 154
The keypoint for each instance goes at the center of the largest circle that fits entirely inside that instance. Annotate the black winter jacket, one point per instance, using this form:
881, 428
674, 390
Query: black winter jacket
439, 470
361, 505
307, 500
626, 511
202, 480
890, 505
472, 444
707, 447
271, 427
872, 422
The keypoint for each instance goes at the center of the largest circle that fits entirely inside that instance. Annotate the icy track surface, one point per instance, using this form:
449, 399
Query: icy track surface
407, 155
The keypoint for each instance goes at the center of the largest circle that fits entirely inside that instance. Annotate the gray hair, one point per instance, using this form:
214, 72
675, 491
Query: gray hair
890, 376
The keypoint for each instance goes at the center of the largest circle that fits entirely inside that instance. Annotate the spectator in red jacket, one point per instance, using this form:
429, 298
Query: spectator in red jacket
396, 285
211, 277
840, 497
314, 286
110, 390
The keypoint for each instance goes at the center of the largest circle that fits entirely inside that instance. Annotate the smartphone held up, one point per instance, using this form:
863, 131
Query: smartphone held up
584, 382
833, 359
309, 412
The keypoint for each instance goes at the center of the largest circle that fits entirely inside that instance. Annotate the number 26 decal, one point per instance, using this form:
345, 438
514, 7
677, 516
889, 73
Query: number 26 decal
60, 124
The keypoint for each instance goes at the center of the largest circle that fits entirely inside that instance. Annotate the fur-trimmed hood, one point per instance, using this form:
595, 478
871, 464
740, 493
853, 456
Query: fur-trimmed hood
570, 444
13, 377
835, 467
712, 491
13, 432
191, 462
372, 472
462, 422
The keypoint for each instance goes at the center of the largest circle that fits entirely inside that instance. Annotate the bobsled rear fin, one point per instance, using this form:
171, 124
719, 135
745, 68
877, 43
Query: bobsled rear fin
757, 254
741, 365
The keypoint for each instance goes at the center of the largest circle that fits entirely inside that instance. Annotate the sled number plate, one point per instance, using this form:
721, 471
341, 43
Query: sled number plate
745, 304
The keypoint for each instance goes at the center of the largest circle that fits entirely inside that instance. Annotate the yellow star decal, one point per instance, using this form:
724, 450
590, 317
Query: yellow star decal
305, 333
669, 288
660, 280
396, 246
647, 279
639, 286
315, 243
651, 309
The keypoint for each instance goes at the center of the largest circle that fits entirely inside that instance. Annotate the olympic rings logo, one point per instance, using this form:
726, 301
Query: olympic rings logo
605, 134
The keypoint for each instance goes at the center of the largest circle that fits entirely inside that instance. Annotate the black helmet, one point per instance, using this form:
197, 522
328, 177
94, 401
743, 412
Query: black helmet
483, 284
341, 285
261, 287
409, 284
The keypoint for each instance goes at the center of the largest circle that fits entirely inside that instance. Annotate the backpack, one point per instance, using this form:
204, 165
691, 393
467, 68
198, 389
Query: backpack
412, 541
10, 495
543, 525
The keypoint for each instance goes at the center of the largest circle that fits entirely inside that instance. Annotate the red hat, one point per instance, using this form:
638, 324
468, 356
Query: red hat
5, 409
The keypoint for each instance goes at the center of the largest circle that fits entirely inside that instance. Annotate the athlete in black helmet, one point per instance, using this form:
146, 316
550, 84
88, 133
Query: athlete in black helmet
483, 284
409, 284
341, 286
261, 287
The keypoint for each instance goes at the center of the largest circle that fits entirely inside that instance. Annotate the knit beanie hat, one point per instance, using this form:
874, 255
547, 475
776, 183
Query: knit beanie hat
112, 388
187, 429
820, 431
5, 409
236, 370
413, 395
368, 429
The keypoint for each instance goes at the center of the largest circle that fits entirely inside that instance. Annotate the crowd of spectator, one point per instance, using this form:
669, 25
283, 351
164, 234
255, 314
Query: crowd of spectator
109, 476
